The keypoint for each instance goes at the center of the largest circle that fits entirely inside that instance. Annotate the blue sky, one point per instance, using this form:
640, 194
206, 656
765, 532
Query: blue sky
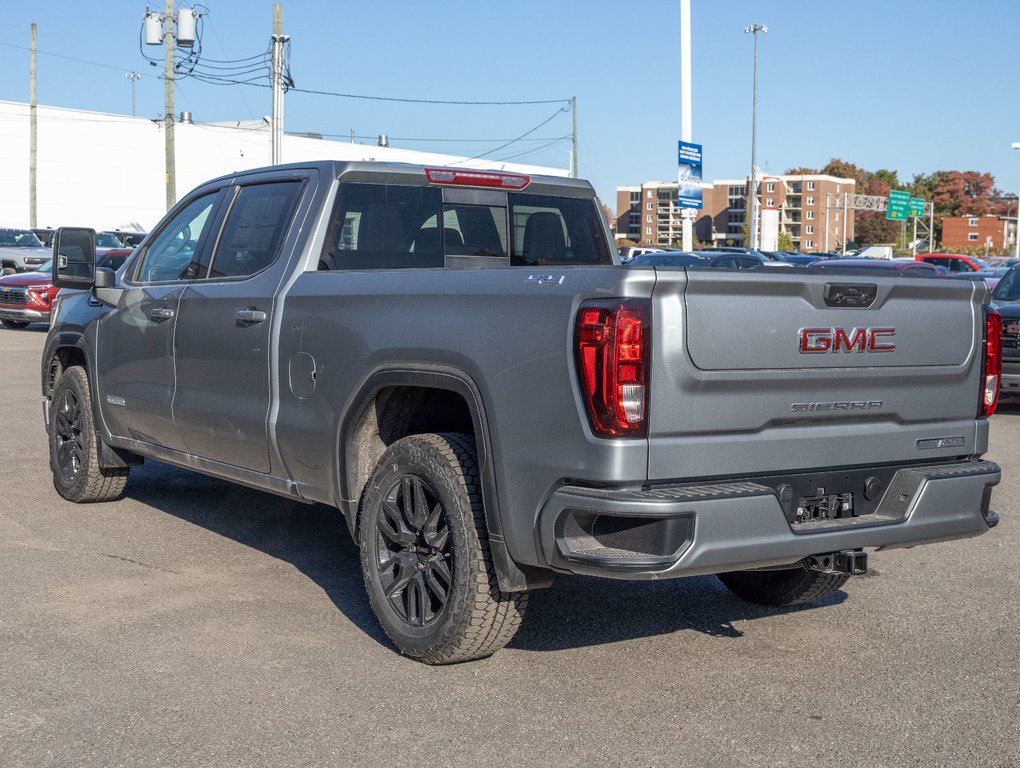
910, 86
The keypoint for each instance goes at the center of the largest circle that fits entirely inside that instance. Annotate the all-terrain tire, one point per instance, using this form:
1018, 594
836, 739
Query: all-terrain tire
790, 586
425, 553
74, 453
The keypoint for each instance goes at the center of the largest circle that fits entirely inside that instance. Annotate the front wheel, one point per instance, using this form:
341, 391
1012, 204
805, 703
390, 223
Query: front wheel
425, 553
74, 445
789, 586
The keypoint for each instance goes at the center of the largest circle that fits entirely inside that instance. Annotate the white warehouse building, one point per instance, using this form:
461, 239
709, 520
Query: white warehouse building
108, 171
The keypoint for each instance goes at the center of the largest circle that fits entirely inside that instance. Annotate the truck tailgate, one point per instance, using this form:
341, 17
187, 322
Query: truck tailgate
793, 370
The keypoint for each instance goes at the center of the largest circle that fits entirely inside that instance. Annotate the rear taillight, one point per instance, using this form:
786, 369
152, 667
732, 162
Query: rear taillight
611, 344
991, 369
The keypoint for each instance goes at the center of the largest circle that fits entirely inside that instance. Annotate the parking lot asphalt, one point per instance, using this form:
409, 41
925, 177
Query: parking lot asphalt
198, 623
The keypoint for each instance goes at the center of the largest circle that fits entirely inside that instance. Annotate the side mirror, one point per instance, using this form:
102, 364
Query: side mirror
74, 258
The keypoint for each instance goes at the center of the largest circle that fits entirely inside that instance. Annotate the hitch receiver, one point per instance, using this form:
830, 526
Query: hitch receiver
850, 561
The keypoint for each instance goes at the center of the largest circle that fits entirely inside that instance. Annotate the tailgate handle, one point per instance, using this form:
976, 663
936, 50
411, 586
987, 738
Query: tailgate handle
251, 316
855, 295
159, 314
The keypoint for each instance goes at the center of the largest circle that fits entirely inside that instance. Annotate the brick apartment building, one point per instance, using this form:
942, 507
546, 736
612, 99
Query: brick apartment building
998, 232
648, 214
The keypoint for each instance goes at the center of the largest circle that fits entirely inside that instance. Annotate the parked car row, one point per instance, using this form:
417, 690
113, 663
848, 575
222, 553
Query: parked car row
27, 297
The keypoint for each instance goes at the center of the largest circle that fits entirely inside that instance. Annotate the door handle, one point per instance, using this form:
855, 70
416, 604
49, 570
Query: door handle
251, 316
159, 314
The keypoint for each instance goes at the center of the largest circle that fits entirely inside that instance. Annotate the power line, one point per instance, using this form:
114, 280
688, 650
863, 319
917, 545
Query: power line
534, 150
514, 141
429, 101
437, 140
66, 58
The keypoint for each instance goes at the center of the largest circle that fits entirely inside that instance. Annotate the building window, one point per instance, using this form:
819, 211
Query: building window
648, 230
972, 236
795, 188
810, 188
648, 219
635, 198
972, 222
810, 200
650, 206
770, 187
809, 230
770, 203
809, 243
810, 215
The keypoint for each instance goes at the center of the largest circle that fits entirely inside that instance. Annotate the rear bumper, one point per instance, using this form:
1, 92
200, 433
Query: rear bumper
688, 530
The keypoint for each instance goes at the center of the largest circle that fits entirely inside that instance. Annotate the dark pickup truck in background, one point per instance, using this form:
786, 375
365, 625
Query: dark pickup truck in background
457, 362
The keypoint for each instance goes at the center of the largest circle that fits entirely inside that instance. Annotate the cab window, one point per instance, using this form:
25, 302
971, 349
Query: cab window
556, 231
175, 253
255, 227
384, 226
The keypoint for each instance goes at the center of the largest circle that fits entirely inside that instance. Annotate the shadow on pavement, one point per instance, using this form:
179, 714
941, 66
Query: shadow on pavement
575, 612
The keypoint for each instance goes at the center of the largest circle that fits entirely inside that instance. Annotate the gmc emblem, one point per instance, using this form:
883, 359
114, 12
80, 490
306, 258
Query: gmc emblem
816, 340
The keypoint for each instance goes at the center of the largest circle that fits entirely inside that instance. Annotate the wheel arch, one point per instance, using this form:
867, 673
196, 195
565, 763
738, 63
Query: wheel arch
394, 403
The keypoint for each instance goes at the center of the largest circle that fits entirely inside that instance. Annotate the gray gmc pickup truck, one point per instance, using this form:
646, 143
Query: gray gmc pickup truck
457, 362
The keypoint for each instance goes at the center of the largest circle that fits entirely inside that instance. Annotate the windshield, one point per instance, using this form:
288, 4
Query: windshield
1008, 288
19, 238
104, 240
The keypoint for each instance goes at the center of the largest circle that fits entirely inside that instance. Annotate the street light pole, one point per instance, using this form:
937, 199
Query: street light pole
1016, 237
754, 29
687, 215
133, 77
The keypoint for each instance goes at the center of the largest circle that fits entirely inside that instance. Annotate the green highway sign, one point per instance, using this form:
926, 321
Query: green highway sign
899, 205
916, 208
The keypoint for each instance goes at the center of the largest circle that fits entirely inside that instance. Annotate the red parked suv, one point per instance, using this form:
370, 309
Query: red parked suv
26, 297
954, 262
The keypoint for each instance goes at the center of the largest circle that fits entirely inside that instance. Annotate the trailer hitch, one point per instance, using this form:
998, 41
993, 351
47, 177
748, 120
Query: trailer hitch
853, 562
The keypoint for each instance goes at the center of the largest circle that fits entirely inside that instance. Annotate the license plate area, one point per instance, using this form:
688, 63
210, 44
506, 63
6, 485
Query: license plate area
824, 506
832, 499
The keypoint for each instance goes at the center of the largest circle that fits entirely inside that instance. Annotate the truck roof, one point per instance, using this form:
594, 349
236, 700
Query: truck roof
408, 173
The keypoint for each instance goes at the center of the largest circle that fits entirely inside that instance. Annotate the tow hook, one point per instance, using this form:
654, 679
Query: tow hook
850, 561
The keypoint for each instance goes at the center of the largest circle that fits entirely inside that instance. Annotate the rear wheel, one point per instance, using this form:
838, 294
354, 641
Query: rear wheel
74, 447
425, 553
14, 324
790, 586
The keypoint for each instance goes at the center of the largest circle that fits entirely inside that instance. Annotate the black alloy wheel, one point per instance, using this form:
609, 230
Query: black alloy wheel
69, 437
425, 553
413, 553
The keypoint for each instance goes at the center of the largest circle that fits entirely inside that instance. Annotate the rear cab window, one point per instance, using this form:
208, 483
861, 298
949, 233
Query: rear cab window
390, 226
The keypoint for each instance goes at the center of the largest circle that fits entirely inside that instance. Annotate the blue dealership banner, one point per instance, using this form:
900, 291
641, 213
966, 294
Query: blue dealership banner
688, 190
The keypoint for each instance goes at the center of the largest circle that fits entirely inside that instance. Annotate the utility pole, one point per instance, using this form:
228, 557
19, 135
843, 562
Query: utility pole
754, 29
279, 39
686, 130
168, 116
133, 77
33, 133
573, 151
